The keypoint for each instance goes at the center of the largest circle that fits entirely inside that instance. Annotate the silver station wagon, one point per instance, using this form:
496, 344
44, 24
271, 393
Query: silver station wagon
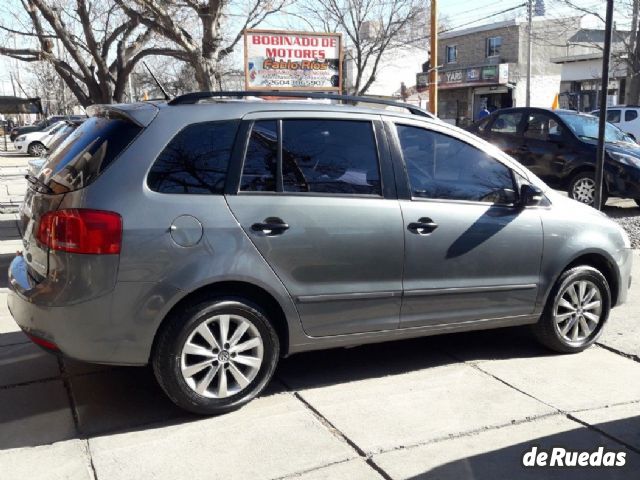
212, 234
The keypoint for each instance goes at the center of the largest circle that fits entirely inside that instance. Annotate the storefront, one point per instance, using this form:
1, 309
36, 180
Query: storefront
463, 92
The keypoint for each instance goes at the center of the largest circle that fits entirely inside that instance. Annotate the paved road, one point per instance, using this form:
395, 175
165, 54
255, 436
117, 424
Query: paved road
463, 406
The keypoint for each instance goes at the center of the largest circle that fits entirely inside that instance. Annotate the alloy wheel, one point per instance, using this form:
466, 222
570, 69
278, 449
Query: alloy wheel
578, 311
584, 190
221, 356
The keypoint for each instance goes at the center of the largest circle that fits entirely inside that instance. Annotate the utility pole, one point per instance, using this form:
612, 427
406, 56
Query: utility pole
606, 55
529, 49
433, 60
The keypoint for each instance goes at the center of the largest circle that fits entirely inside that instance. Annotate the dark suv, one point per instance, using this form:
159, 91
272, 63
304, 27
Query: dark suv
560, 147
210, 236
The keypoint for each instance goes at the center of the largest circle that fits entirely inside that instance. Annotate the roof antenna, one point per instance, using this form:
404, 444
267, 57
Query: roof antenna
164, 92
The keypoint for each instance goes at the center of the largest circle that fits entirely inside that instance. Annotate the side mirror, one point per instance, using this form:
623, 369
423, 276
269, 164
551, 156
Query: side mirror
529, 195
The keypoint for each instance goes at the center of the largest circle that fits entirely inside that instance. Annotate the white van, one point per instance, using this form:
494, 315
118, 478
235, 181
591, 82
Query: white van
625, 117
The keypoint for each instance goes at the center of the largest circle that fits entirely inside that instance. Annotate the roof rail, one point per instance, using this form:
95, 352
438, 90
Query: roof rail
195, 97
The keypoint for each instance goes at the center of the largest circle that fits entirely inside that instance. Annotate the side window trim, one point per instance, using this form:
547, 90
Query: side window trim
238, 154
238, 157
402, 175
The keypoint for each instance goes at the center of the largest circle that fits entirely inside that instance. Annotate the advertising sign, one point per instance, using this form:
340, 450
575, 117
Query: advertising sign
475, 76
282, 60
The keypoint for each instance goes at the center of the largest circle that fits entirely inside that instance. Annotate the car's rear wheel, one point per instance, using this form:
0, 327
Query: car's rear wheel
36, 149
216, 355
576, 311
582, 188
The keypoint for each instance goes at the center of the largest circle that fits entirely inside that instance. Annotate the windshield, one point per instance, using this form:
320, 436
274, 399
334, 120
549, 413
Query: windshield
586, 128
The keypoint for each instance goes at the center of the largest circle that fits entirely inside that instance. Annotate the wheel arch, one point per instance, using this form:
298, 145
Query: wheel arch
604, 265
582, 168
242, 289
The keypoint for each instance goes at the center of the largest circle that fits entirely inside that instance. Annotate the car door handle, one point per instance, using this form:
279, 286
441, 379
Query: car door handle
270, 226
523, 148
423, 226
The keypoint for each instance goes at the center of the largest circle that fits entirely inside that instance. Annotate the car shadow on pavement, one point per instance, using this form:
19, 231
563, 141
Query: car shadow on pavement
47, 399
507, 462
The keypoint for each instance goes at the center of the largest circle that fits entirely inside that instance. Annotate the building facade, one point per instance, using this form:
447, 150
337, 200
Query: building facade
486, 66
581, 70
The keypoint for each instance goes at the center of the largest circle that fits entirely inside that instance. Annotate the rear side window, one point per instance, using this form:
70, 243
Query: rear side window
195, 161
330, 156
630, 115
507, 123
87, 152
613, 116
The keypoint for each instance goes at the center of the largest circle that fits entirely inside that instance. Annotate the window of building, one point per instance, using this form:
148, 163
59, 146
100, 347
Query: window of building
507, 123
330, 156
442, 167
493, 46
195, 160
630, 115
259, 171
451, 53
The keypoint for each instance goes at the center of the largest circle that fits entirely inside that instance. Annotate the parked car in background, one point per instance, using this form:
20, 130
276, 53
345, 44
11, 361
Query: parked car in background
560, 147
36, 164
35, 143
42, 124
209, 238
625, 117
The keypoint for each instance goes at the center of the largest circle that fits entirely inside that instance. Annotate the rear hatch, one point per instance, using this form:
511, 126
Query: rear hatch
72, 166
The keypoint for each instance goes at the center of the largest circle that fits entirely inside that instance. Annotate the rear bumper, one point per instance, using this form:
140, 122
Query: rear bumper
116, 328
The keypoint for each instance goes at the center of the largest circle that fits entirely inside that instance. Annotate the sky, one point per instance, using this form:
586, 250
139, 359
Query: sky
458, 14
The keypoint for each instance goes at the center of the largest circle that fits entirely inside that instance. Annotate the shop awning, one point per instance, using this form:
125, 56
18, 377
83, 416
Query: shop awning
10, 104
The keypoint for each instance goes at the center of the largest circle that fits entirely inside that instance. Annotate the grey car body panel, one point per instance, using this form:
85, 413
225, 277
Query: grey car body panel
312, 270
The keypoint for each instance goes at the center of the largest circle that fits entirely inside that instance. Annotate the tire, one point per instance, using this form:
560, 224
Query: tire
557, 317
202, 390
582, 188
36, 149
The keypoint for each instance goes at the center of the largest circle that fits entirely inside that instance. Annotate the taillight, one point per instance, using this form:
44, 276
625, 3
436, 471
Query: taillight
81, 231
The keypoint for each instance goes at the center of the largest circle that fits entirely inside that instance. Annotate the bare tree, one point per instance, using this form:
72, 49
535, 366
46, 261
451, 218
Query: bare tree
204, 53
371, 27
91, 44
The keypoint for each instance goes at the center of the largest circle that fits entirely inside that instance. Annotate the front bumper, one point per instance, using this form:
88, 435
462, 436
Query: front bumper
623, 180
20, 146
625, 262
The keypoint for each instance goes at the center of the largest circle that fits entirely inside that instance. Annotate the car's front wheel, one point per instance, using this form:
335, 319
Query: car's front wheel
582, 188
576, 311
36, 149
215, 355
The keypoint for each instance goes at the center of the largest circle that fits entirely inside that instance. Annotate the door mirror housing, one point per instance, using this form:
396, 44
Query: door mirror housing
530, 196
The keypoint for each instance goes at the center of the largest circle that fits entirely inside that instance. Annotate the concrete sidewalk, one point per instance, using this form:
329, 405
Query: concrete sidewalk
463, 406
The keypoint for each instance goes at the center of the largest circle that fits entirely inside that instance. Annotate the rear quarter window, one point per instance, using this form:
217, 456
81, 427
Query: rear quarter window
195, 161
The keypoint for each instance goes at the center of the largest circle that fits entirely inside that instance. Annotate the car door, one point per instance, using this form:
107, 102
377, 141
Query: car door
470, 252
317, 198
546, 145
